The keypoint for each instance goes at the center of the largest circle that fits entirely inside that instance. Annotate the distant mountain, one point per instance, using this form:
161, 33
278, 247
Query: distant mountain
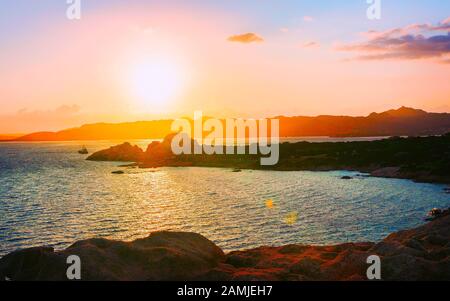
401, 122
10, 136
106, 131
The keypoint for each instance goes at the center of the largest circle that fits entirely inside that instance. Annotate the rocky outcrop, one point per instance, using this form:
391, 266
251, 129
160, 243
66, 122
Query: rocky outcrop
161, 256
122, 153
418, 254
157, 154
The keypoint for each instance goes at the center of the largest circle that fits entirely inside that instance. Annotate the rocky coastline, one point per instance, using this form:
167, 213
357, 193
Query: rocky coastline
422, 253
422, 159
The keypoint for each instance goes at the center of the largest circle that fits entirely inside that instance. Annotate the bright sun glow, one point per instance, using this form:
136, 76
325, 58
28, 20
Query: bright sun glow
156, 83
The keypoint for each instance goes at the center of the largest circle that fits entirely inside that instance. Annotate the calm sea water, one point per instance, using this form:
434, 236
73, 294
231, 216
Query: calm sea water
50, 195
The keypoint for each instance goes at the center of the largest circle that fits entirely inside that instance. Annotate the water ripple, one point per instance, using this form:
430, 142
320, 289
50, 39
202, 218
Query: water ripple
49, 195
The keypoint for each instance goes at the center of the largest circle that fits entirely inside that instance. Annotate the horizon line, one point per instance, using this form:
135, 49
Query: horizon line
18, 135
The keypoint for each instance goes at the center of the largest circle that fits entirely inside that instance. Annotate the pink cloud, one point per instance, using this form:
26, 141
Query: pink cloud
415, 41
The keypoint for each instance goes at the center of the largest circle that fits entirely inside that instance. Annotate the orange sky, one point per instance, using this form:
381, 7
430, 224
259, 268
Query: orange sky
62, 73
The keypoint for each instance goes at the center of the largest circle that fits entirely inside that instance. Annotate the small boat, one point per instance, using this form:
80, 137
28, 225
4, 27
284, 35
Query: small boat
83, 151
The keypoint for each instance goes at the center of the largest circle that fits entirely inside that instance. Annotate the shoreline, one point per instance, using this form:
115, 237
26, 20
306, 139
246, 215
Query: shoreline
384, 172
421, 253
422, 159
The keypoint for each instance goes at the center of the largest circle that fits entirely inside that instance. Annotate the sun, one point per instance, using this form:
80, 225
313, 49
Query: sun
155, 83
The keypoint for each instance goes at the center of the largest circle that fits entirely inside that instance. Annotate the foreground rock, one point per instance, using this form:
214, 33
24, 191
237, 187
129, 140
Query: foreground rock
419, 254
161, 256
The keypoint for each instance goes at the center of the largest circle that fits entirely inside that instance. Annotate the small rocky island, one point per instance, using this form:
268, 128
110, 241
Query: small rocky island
418, 254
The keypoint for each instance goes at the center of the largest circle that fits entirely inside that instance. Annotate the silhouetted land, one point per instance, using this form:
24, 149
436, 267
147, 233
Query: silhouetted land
401, 122
425, 159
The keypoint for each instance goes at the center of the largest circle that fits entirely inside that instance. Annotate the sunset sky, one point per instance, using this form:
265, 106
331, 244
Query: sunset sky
132, 60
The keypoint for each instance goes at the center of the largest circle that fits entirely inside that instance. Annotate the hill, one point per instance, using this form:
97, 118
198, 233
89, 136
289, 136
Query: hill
401, 122
106, 131
10, 136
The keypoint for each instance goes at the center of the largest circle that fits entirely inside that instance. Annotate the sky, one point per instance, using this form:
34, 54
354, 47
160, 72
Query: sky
137, 60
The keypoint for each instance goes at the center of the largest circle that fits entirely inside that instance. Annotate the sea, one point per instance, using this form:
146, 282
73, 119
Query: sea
51, 196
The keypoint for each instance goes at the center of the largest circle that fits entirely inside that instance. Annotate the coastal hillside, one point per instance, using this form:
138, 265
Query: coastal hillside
401, 122
412, 255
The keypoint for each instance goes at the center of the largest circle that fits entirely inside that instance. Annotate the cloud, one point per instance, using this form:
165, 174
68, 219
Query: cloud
308, 19
311, 44
246, 38
415, 41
